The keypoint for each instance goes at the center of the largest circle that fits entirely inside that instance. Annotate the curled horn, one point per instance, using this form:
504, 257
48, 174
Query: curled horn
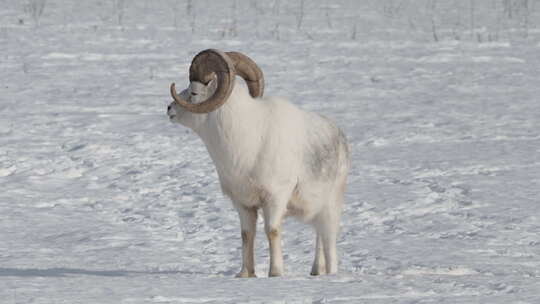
247, 68
202, 69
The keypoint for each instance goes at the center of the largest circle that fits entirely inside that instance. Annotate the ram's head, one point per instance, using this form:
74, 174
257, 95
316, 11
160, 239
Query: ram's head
211, 76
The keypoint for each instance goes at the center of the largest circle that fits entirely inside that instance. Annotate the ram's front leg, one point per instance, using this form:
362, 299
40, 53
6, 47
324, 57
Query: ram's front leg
248, 222
273, 216
319, 265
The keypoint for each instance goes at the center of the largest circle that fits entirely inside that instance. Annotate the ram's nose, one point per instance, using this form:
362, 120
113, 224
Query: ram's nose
170, 111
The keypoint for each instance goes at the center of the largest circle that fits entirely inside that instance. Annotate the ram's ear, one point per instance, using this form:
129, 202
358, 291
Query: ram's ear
211, 86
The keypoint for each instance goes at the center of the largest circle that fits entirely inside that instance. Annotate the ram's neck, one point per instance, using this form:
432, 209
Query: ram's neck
234, 133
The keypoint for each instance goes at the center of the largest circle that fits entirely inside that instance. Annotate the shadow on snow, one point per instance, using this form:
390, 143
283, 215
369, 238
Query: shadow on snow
62, 272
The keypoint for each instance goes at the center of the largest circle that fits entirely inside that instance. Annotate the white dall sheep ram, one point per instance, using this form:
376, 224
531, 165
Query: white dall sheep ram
269, 155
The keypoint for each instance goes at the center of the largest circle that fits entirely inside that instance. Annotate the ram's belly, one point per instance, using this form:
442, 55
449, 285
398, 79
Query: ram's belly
306, 199
303, 206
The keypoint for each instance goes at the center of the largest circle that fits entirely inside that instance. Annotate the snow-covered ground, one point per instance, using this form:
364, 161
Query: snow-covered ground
102, 200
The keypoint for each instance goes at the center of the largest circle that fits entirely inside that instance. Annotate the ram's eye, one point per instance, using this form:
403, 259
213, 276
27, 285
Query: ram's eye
194, 93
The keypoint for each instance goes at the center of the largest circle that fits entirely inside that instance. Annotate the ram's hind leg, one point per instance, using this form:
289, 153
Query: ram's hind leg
248, 222
329, 239
327, 225
318, 267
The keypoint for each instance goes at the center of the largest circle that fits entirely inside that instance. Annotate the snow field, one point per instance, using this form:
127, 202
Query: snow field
104, 201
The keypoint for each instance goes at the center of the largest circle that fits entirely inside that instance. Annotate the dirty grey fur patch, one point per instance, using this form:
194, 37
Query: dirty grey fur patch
323, 154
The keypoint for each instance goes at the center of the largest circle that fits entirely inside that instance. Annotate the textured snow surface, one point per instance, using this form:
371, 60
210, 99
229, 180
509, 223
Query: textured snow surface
102, 200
